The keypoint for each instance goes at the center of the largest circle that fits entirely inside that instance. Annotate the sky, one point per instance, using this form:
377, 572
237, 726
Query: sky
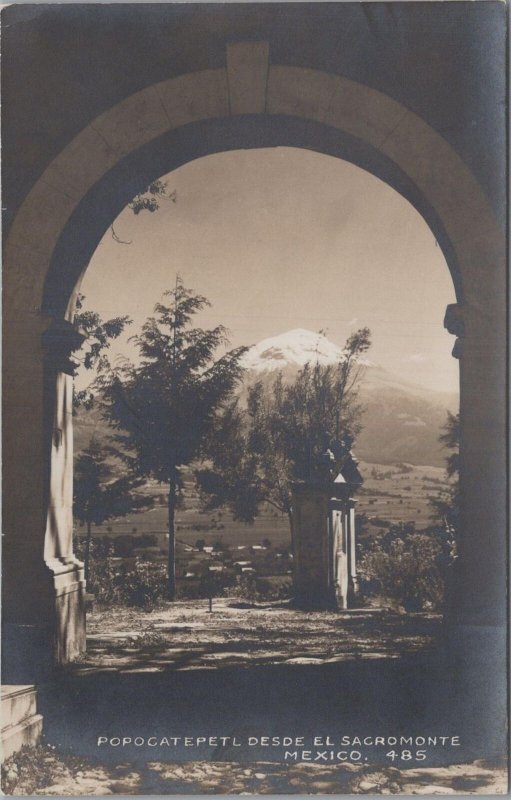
284, 238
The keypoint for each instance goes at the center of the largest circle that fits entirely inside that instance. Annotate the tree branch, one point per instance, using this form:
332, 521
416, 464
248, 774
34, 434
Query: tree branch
116, 238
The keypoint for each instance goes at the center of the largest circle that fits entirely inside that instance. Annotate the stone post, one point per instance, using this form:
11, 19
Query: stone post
43, 587
324, 545
352, 553
339, 524
478, 592
60, 341
313, 573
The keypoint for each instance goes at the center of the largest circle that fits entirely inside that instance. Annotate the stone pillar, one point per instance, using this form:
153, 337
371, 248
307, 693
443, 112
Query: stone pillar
43, 618
352, 553
476, 627
339, 524
313, 570
69, 585
478, 592
324, 546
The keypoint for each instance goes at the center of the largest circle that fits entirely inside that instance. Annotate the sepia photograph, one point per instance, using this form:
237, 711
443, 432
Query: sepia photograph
254, 399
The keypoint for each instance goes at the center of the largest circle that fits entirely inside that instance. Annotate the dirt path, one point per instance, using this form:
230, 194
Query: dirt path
185, 636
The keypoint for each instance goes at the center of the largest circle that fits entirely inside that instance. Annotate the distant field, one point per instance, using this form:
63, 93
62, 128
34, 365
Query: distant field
193, 525
389, 493
399, 496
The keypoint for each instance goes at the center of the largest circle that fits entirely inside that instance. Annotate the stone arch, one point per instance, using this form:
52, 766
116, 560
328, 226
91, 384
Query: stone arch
250, 85
279, 104
111, 194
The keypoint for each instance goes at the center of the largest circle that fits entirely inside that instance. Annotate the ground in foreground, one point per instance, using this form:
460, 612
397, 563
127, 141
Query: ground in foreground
41, 771
184, 635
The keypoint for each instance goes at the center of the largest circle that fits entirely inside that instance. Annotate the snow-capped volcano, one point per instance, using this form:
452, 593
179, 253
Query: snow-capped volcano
401, 423
293, 348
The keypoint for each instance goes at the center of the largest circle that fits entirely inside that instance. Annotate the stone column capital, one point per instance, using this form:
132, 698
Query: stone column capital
454, 324
59, 341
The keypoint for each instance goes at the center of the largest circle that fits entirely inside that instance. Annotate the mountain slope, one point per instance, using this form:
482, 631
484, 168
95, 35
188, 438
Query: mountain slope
402, 421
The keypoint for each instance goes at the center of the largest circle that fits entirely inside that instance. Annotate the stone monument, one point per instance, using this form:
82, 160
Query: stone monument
323, 512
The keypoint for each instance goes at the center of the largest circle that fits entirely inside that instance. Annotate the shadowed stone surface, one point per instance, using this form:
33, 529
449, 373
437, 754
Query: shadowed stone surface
273, 672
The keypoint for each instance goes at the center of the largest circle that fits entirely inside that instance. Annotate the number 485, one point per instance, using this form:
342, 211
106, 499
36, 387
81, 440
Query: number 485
406, 755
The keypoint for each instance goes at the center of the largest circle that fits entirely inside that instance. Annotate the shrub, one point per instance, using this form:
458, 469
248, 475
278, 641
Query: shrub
246, 588
205, 585
145, 540
408, 570
32, 768
104, 582
253, 589
378, 522
103, 569
188, 590
404, 468
143, 585
123, 545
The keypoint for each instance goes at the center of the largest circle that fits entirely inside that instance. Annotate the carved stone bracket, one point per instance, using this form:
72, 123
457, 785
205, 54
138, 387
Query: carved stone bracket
453, 322
59, 341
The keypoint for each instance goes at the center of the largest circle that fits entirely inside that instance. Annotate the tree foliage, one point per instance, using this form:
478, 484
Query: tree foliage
98, 494
447, 509
408, 568
164, 405
99, 335
282, 434
450, 439
148, 200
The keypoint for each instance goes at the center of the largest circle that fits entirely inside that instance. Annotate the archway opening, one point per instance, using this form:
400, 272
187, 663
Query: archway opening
245, 102
291, 247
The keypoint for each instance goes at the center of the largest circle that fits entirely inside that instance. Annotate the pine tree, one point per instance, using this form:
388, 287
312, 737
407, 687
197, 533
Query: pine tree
164, 406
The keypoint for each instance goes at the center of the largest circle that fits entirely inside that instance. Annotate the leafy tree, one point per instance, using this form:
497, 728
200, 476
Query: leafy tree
99, 335
450, 438
164, 406
447, 509
99, 495
285, 433
148, 200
